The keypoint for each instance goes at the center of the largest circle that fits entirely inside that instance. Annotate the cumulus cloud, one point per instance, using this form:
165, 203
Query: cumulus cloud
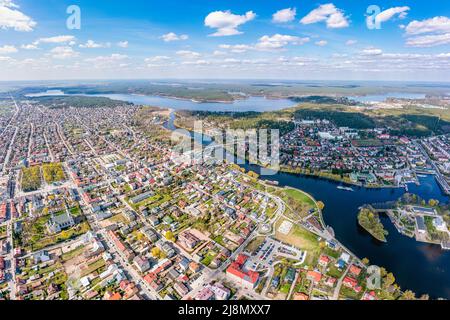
56, 39
168, 37
63, 52
429, 40
285, 15
227, 23
110, 61
333, 16
372, 52
433, 25
321, 43
237, 48
29, 46
188, 54
90, 44
8, 49
122, 44
12, 18
156, 59
428, 33
351, 42
279, 41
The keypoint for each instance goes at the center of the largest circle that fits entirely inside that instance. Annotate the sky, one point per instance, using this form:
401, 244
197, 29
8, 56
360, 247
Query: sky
225, 39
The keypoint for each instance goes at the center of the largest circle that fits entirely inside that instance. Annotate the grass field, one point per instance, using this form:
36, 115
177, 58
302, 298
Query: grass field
298, 201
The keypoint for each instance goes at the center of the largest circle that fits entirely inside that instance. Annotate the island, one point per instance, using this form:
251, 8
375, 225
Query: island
369, 219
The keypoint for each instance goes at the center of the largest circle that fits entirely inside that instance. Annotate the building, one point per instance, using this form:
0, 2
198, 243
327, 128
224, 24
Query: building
60, 222
188, 240
237, 273
181, 289
141, 263
314, 276
440, 224
420, 222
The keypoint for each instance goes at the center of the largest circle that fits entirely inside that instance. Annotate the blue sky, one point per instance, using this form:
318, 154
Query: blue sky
226, 39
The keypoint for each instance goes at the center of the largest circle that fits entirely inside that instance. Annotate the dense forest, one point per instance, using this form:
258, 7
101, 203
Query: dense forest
79, 102
341, 119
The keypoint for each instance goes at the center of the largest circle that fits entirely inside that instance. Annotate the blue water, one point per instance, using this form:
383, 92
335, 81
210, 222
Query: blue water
259, 104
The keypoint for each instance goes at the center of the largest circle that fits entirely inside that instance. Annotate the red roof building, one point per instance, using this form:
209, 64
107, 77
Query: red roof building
237, 272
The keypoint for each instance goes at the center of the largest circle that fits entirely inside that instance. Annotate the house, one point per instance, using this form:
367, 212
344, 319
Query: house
355, 270
314, 276
220, 291
300, 296
141, 263
194, 267
181, 289
350, 283
369, 296
290, 275
237, 273
60, 222
330, 281
150, 234
205, 294
188, 240
324, 260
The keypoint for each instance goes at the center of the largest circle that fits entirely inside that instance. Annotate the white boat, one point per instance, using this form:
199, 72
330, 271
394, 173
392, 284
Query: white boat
345, 188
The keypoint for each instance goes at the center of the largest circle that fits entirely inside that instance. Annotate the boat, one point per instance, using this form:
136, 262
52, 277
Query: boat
345, 188
273, 183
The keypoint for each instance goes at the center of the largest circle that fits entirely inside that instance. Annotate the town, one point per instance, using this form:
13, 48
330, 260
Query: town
94, 207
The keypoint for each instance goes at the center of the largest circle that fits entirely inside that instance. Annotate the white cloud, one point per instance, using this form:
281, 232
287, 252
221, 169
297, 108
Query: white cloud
56, 39
389, 14
321, 43
333, 16
8, 49
11, 18
433, 25
279, 41
372, 52
157, 59
29, 46
226, 22
237, 48
219, 53
168, 37
90, 44
351, 42
428, 33
196, 62
188, 54
285, 15
110, 61
429, 40
122, 44
63, 52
